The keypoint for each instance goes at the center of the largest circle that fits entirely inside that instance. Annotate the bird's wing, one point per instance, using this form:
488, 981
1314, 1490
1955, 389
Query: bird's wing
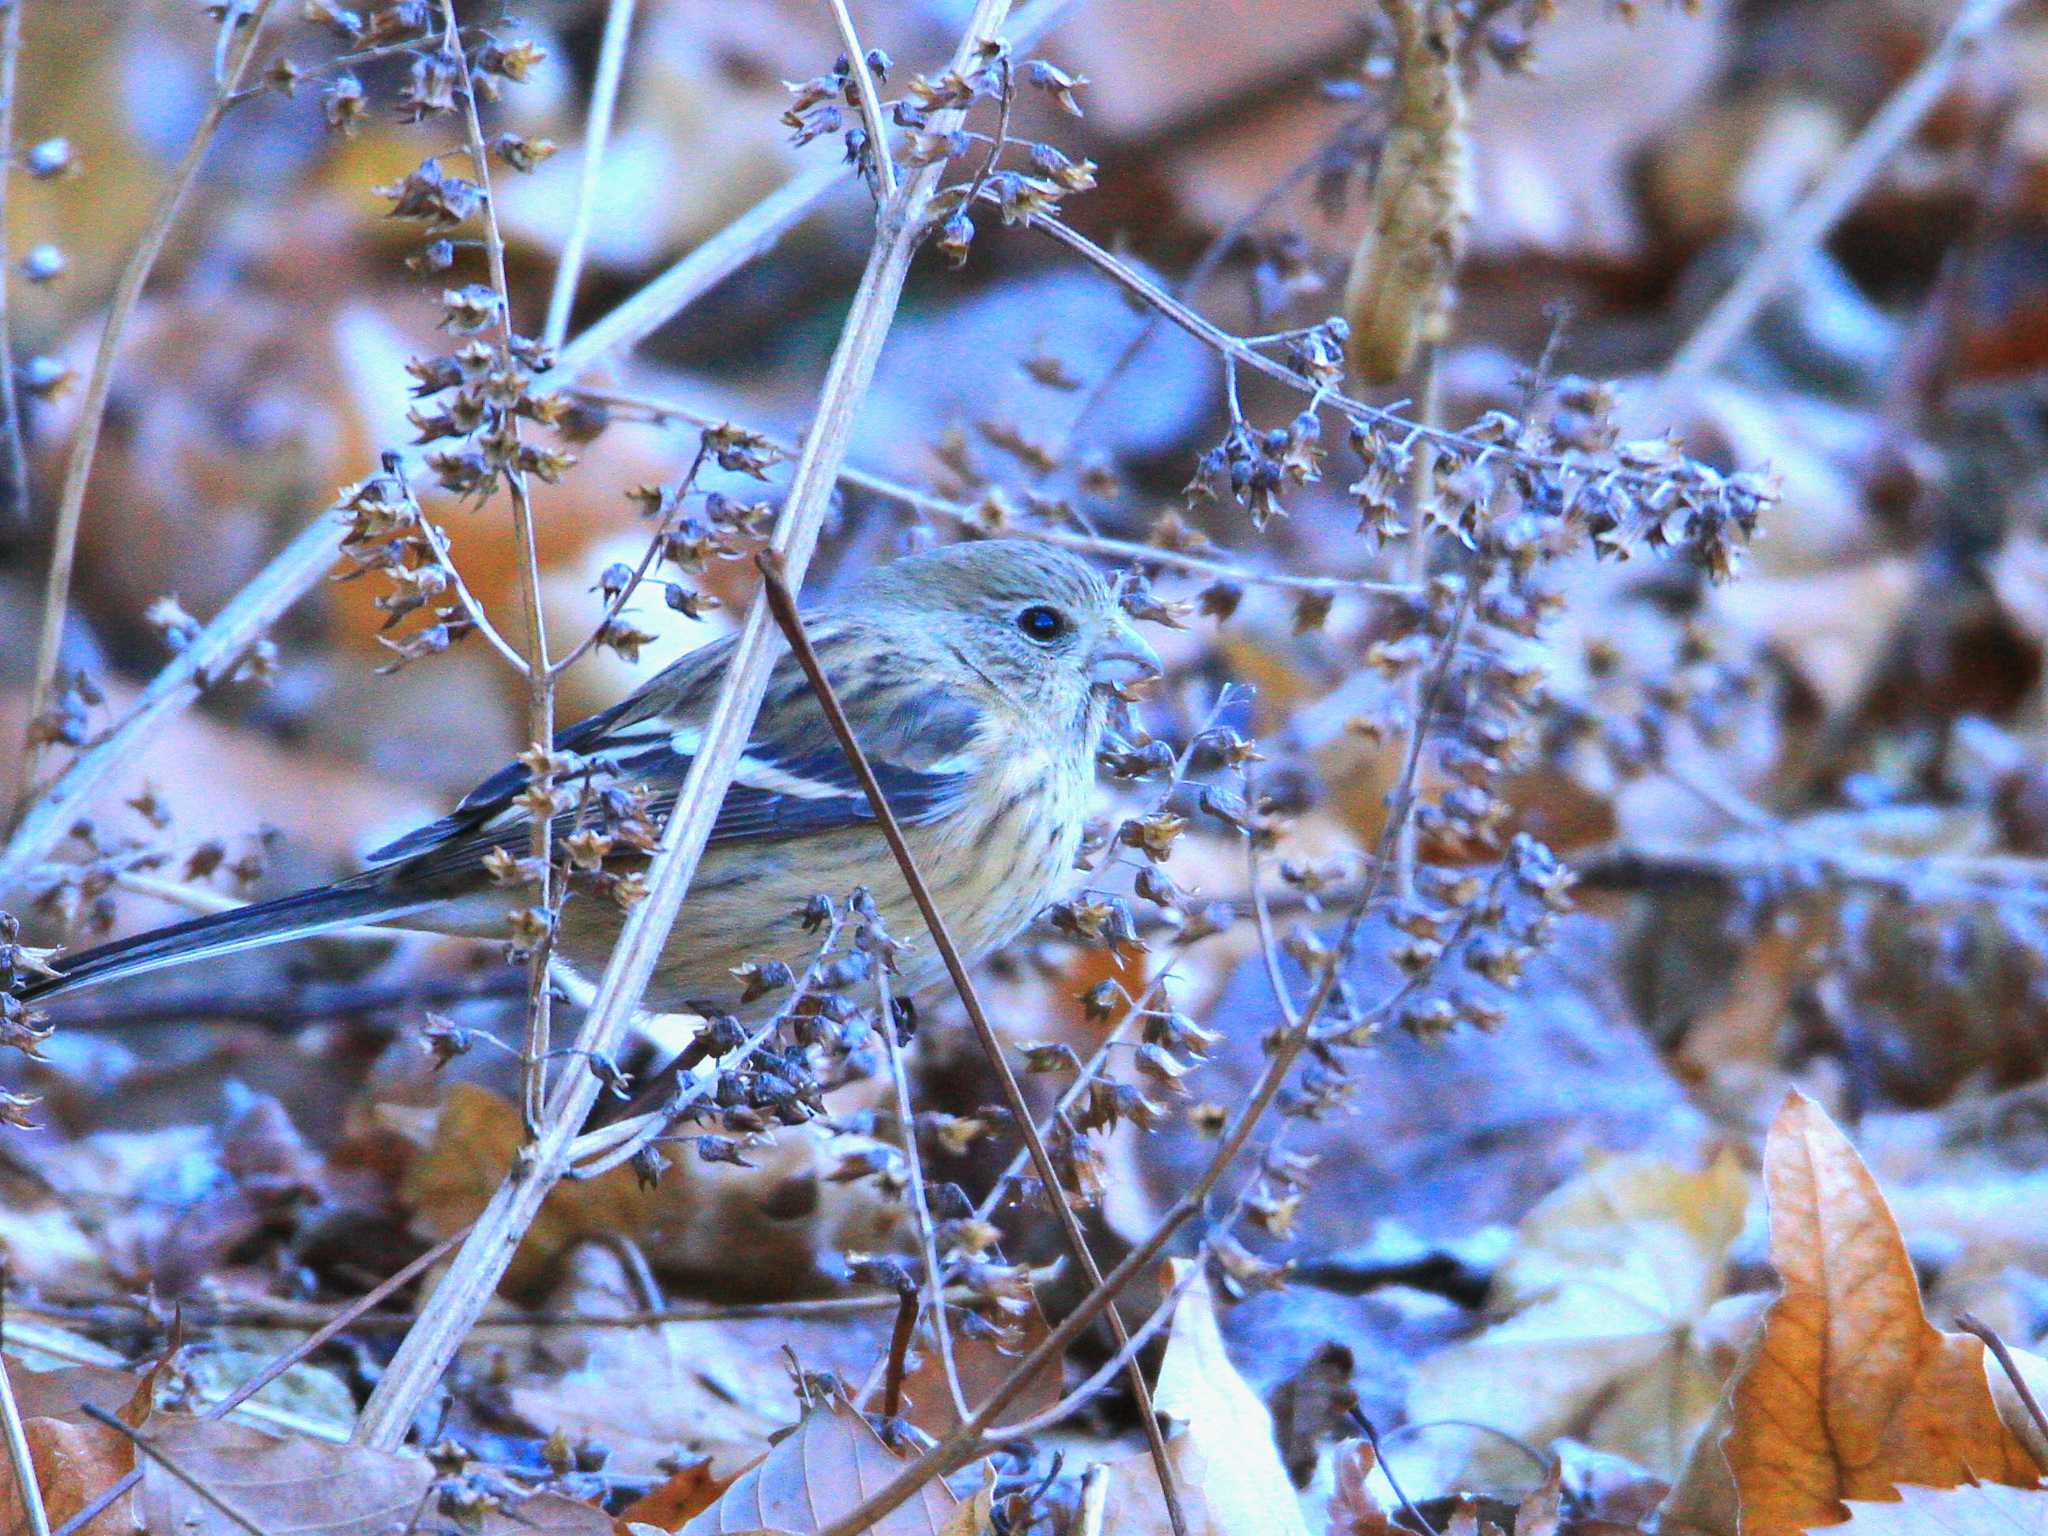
793, 780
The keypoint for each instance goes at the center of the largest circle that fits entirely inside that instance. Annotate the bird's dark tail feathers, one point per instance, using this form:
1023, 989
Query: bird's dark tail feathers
219, 933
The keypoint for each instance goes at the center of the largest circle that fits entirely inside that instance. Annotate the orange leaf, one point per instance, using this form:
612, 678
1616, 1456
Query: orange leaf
475, 1139
686, 1494
1850, 1391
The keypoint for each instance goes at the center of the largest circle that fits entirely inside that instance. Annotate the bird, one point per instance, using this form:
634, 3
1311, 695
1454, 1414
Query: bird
978, 678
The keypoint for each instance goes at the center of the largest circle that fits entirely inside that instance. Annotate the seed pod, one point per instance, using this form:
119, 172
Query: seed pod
1398, 295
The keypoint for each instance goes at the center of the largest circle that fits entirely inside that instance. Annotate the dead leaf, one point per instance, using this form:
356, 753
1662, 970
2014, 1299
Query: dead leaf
983, 1365
686, 1493
1975, 1509
1604, 1297
1849, 1390
1226, 1446
311, 1488
827, 1465
1354, 1509
75, 1458
1539, 1513
474, 1141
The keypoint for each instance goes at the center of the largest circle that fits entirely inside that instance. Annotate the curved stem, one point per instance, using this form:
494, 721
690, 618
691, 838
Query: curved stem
92, 413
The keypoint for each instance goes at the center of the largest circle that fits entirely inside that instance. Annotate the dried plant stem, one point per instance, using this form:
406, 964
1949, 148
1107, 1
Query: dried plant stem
783, 604
292, 572
870, 99
2000, 1352
968, 1441
648, 556
92, 412
1797, 235
1644, 483
754, 233
604, 99
470, 1281
346, 1317
1189, 288
18, 1456
1073, 1402
1094, 1501
1421, 510
13, 456
280, 1316
1218, 564
540, 676
920, 1201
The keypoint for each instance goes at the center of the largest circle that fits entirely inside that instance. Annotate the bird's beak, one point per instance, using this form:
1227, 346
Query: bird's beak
1122, 658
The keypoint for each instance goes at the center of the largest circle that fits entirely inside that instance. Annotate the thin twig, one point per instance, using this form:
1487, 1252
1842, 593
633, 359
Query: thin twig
1421, 511
293, 572
624, 595
540, 677
920, 1201
18, 1455
1073, 1402
899, 1354
753, 234
1372, 1438
1797, 235
93, 409
604, 98
966, 1442
346, 1317
342, 1319
13, 456
870, 100
465, 1290
1217, 563
1972, 1324
280, 1315
783, 604
155, 1453
1094, 1501
1650, 484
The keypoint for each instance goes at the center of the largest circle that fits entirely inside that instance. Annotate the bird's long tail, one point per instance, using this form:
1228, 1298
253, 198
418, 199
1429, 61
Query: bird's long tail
220, 933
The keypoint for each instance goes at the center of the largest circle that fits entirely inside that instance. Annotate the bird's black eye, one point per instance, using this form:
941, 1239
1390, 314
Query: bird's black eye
1042, 623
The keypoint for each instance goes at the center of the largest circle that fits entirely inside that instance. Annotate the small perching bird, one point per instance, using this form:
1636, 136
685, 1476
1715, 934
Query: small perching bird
977, 678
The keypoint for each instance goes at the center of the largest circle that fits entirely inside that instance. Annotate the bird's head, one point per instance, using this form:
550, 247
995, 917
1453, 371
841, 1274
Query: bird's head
1040, 629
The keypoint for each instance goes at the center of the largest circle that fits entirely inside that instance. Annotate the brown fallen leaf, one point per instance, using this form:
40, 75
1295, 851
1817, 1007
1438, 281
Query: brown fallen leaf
474, 1141
827, 1465
983, 1365
1849, 1391
686, 1493
312, 1488
75, 1457
1540, 1512
1354, 1509
1975, 1509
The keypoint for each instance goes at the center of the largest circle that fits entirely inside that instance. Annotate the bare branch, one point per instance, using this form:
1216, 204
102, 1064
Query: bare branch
870, 99
18, 1456
1798, 234
210, 655
99, 384
13, 456
604, 98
